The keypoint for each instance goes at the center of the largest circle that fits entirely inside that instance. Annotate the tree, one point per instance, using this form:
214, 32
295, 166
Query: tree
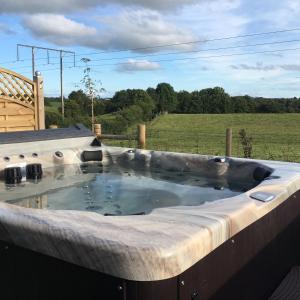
152, 93
91, 87
81, 99
132, 114
127, 98
184, 102
166, 98
72, 109
239, 104
270, 106
215, 100
99, 107
196, 106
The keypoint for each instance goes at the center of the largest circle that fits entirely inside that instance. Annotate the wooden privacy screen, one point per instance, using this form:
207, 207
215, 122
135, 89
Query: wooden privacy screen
21, 102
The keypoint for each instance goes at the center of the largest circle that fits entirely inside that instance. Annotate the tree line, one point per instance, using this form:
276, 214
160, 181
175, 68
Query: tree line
130, 106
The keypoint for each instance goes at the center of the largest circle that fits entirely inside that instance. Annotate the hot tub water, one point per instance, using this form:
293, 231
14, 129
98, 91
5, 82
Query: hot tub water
116, 190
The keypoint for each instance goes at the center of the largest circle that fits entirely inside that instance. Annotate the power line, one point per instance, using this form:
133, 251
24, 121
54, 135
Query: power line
185, 52
188, 58
195, 42
173, 44
212, 56
201, 50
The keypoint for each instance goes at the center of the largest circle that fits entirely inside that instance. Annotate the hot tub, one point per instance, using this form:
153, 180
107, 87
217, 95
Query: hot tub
81, 218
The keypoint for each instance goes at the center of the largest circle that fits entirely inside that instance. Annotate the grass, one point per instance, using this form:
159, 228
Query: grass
55, 105
275, 136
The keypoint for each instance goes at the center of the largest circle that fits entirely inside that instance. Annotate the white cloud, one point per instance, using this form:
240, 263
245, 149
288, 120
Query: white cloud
58, 29
213, 19
138, 29
137, 65
63, 6
276, 14
141, 28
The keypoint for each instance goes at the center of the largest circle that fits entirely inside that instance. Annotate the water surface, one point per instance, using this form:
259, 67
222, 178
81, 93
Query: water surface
115, 190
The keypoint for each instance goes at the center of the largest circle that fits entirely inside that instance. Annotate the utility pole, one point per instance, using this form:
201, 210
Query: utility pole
61, 85
61, 52
33, 61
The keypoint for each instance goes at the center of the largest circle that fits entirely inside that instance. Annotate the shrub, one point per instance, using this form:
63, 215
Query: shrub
132, 114
116, 124
246, 142
53, 118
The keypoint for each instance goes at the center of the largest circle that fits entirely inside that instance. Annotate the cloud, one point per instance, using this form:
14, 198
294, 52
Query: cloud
257, 67
58, 29
274, 15
5, 29
265, 68
204, 68
127, 30
137, 65
64, 6
213, 19
291, 67
142, 28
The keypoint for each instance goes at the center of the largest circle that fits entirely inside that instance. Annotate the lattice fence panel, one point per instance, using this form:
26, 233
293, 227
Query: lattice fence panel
16, 88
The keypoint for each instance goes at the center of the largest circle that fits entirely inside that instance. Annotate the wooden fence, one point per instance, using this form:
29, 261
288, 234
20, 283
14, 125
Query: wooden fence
21, 102
140, 137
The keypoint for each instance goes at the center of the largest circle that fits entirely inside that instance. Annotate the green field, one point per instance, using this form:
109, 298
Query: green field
55, 105
275, 136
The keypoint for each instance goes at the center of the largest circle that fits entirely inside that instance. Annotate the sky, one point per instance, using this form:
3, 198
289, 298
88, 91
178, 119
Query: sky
191, 44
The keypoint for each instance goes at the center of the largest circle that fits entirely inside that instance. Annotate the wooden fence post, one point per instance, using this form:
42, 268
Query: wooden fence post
39, 85
228, 142
142, 136
97, 130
